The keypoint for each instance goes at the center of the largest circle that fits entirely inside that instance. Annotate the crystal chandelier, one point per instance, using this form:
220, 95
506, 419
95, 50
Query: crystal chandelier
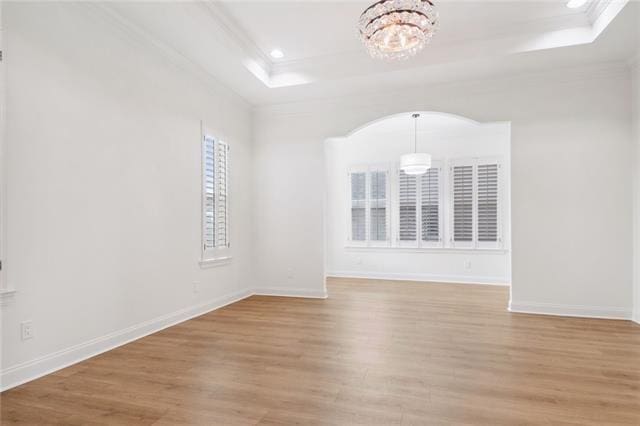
397, 29
416, 163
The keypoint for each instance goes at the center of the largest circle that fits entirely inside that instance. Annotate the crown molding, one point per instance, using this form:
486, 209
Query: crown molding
234, 30
414, 94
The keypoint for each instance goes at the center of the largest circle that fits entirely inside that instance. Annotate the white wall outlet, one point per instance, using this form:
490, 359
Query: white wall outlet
290, 273
359, 261
26, 330
196, 286
467, 264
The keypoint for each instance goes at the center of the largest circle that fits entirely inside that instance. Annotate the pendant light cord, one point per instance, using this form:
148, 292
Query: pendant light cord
415, 133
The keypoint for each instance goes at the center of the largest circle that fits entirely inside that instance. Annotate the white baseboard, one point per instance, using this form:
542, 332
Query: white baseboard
33, 369
453, 279
570, 310
290, 292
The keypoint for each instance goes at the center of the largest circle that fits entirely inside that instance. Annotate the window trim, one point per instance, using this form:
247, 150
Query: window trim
214, 256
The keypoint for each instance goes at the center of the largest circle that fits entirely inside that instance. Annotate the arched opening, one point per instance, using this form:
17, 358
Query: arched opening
451, 224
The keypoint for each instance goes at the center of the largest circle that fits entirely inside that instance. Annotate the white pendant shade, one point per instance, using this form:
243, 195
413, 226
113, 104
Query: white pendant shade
415, 164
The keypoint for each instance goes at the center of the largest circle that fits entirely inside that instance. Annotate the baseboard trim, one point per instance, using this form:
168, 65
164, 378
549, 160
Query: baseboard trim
448, 279
290, 292
570, 310
36, 368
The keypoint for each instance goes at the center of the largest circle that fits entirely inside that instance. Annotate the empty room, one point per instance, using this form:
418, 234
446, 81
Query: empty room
354, 212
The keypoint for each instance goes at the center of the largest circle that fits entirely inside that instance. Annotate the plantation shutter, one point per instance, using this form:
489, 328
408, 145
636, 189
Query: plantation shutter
462, 178
407, 196
209, 193
378, 206
430, 205
222, 187
358, 206
487, 210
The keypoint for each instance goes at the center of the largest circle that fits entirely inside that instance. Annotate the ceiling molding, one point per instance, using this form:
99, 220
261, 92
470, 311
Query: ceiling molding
414, 95
237, 33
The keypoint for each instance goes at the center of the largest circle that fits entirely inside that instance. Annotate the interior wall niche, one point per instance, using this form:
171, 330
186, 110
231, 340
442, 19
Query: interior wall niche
451, 140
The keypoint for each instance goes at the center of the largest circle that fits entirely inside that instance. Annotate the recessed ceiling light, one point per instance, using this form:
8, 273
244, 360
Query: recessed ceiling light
574, 4
277, 54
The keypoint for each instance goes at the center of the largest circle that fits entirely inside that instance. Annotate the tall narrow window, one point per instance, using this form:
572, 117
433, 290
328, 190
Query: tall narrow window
358, 206
378, 206
209, 193
430, 205
408, 197
488, 203
222, 189
462, 182
215, 197
369, 206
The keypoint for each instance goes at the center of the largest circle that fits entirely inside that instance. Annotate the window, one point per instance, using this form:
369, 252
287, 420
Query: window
461, 209
430, 206
462, 183
358, 206
215, 202
369, 206
475, 192
419, 209
378, 206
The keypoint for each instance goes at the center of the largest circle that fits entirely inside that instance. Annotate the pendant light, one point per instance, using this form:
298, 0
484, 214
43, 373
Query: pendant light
416, 163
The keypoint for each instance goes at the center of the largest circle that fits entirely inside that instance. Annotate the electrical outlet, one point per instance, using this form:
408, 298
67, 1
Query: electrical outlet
359, 261
196, 286
467, 264
290, 273
26, 330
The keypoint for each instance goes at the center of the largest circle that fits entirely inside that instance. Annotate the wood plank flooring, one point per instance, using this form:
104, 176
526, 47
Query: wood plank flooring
375, 352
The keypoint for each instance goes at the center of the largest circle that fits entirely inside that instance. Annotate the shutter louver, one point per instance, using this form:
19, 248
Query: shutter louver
358, 206
487, 203
378, 206
408, 187
462, 203
209, 193
430, 205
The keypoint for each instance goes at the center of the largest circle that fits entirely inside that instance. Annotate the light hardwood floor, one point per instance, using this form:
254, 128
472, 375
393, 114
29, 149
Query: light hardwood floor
375, 352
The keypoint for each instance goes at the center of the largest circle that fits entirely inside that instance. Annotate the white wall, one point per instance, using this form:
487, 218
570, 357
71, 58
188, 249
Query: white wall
382, 143
103, 187
635, 70
571, 180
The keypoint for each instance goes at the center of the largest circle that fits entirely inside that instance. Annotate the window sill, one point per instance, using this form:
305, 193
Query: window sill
214, 262
6, 296
433, 250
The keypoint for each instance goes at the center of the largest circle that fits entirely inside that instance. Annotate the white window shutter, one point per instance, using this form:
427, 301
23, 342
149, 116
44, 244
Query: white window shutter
222, 194
487, 208
407, 200
378, 206
430, 205
462, 193
209, 196
358, 206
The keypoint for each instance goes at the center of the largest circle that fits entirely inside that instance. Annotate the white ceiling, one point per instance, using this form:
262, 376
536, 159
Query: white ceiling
230, 41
